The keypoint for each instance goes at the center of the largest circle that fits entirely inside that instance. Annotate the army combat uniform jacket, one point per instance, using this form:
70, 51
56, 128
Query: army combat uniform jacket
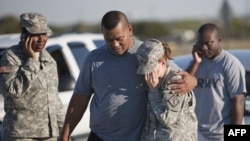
31, 101
170, 117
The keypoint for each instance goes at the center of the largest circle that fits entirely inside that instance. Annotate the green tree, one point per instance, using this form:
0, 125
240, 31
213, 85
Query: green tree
150, 29
9, 24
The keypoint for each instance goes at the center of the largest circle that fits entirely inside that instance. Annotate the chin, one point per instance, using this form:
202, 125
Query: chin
118, 53
38, 50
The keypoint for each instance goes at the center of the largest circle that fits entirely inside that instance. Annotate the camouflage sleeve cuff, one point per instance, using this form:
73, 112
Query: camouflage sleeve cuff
153, 90
154, 95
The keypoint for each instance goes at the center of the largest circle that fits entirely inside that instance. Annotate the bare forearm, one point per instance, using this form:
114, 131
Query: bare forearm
238, 109
76, 109
193, 68
71, 120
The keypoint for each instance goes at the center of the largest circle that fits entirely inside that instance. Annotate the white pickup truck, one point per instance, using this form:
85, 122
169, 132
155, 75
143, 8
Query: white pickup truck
69, 51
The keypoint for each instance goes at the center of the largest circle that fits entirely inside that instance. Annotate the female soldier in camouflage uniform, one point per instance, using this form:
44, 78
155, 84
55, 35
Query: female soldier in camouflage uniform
33, 109
170, 116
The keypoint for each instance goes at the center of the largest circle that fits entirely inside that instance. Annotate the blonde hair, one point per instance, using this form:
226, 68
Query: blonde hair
167, 52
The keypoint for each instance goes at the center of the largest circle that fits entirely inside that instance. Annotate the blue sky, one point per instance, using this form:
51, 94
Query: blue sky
63, 12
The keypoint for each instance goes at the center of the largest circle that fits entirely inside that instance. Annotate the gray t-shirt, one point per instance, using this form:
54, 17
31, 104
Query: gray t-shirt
118, 106
219, 81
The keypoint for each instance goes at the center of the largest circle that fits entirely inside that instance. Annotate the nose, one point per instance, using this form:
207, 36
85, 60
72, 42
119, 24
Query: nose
115, 43
41, 37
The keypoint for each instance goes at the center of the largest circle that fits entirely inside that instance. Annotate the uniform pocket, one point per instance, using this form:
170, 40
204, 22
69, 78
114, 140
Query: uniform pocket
170, 118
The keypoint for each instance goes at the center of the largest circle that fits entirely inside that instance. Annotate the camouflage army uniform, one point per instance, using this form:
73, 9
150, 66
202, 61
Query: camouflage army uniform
170, 117
31, 101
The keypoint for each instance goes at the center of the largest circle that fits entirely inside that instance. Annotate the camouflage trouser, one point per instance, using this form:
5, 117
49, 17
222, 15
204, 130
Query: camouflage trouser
6, 138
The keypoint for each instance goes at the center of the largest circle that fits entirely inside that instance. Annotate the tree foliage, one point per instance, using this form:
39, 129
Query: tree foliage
9, 24
239, 27
150, 29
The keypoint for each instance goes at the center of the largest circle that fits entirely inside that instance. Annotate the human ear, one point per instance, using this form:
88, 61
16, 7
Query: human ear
130, 29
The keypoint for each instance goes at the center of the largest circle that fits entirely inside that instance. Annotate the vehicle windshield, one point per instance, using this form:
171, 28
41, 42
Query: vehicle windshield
80, 51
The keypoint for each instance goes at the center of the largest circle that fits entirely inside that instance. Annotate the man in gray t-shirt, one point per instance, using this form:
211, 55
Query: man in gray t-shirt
221, 85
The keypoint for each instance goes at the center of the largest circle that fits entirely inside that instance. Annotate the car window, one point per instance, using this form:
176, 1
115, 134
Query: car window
79, 51
247, 98
99, 43
1, 52
66, 82
248, 82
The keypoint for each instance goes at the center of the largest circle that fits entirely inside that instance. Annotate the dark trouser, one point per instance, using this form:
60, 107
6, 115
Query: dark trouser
93, 137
